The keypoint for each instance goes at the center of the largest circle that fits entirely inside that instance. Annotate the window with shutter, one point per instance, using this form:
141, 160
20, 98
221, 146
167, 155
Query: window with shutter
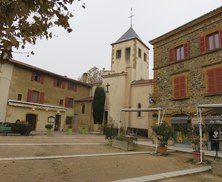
210, 42
35, 96
37, 77
213, 41
214, 81
179, 87
69, 102
72, 86
179, 53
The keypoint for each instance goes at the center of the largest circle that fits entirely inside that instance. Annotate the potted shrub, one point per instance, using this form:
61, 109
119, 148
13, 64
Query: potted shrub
49, 129
69, 130
195, 140
163, 133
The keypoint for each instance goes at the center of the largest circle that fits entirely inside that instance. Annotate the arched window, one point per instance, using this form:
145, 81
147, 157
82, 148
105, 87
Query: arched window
139, 112
83, 108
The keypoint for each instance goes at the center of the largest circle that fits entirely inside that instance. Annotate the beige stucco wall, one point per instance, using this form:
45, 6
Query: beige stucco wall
140, 94
5, 79
19, 113
84, 120
115, 98
21, 82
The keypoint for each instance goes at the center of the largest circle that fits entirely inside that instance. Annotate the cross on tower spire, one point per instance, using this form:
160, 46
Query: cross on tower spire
131, 17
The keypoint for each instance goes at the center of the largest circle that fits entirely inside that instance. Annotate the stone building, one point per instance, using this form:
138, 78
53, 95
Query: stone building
188, 72
128, 84
39, 97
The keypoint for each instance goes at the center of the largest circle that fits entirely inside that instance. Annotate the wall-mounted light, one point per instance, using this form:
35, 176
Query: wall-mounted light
107, 87
33, 109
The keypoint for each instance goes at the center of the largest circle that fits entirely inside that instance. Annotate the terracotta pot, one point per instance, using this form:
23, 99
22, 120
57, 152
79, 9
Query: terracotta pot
196, 156
162, 150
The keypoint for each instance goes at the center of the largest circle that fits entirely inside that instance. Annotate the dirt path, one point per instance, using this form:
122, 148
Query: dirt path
84, 169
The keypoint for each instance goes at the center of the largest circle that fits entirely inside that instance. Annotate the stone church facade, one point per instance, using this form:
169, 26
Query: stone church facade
129, 86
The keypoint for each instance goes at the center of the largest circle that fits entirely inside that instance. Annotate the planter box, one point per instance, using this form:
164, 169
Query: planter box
69, 131
124, 145
216, 167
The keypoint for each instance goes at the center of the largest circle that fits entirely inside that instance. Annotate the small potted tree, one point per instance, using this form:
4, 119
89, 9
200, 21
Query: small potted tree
163, 132
49, 129
195, 140
69, 130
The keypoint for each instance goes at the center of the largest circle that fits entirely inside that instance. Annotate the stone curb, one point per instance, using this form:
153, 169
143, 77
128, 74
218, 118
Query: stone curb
162, 176
68, 156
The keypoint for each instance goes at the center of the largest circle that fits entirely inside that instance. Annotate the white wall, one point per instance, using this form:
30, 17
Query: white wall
6, 70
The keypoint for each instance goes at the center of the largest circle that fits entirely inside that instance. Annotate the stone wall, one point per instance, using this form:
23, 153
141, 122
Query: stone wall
194, 67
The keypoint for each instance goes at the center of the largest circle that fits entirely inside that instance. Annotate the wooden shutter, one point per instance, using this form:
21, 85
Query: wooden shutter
54, 82
42, 79
176, 88
182, 83
202, 45
180, 87
33, 76
218, 79
211, 81
29, 95
172, 55
186, 50
220, 37
66, 102
41, 98
63, 84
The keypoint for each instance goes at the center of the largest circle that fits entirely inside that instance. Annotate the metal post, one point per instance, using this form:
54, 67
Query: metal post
201, 137
119, 123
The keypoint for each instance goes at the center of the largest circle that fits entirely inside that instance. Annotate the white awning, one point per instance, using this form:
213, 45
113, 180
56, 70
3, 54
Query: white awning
25, 104
141, 109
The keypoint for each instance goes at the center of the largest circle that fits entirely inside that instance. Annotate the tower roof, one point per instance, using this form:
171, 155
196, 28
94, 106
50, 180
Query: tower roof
129, 35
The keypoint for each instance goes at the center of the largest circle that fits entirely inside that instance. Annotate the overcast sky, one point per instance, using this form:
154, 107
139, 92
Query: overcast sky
101, 23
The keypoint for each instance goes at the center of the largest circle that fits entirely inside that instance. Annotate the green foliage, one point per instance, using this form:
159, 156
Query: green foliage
24, 21
48, 126
98, 105
93, 75
22, 128
195, 138
109, 132
163, 132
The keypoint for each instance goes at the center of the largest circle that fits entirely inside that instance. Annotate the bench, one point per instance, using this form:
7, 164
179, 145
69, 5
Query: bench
5, 129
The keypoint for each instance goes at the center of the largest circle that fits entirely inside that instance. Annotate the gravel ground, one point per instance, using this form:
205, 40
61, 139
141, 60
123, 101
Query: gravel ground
86, 169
